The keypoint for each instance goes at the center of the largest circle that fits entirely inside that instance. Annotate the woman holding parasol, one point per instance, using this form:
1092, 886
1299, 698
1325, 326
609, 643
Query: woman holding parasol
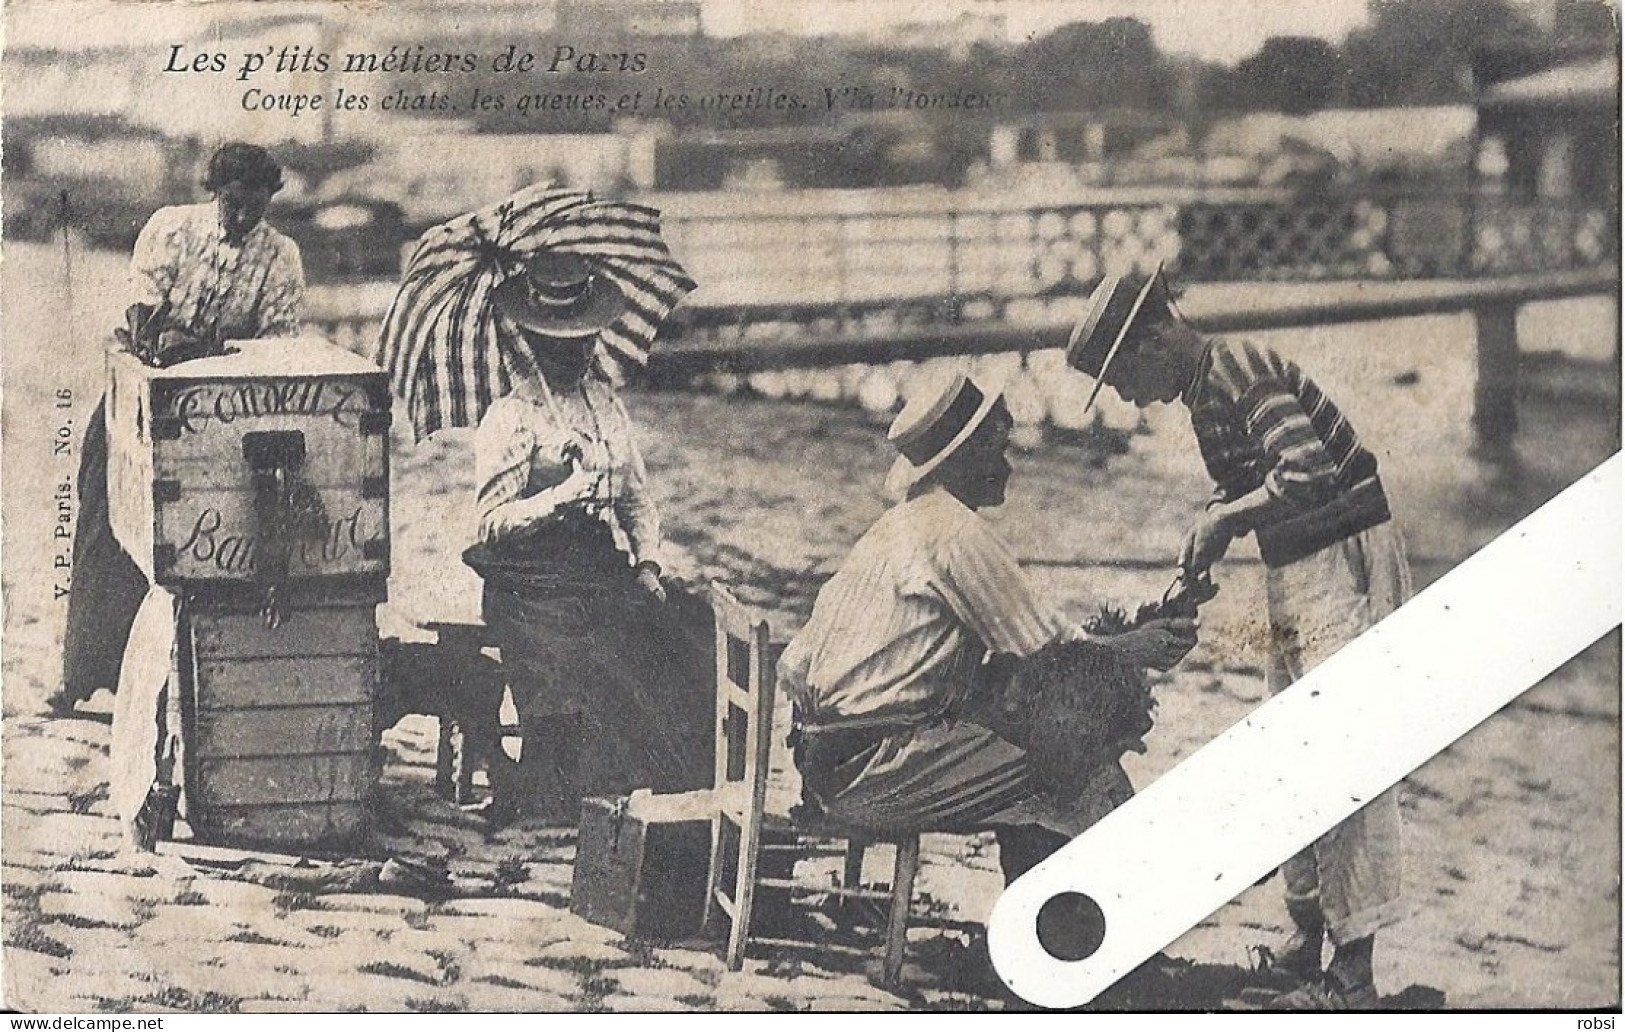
529, 299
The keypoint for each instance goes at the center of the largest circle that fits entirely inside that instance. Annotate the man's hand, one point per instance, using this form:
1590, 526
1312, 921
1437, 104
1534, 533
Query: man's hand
1158, 644
1206, 543
581, 483
649, 580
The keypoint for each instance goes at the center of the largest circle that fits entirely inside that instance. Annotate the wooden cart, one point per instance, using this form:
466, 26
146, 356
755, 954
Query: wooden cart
254, 488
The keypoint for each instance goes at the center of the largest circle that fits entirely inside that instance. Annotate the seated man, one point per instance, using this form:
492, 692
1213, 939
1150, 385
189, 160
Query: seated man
883, 676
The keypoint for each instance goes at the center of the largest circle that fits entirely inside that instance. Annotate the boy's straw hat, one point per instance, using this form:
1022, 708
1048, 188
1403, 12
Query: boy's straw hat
1117, 301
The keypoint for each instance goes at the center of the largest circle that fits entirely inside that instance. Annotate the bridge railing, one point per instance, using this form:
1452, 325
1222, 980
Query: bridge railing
874, 334
971, 246
838, 305
897, 248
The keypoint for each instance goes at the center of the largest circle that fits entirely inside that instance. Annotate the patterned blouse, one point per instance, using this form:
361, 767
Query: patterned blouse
530, 439
214, 289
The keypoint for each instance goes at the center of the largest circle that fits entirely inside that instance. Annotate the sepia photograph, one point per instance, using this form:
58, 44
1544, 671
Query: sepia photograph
584, 506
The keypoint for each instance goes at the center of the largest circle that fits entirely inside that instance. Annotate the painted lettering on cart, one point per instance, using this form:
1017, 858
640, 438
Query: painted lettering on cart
212, 543
342, 402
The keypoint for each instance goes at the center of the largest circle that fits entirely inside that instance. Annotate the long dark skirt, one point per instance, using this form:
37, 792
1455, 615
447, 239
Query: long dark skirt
107, 587
598, 668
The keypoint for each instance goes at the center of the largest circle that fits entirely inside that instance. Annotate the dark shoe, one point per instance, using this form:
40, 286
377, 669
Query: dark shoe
1300, 954
1325, 995
155, 821
62, 704
1298, 960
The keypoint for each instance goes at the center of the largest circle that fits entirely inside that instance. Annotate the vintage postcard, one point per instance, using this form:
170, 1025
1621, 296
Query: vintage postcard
673, 505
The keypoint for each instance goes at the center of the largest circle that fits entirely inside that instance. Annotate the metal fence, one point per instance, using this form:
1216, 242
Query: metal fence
839, 305
840, 256
1513, 237
867, 354
946, 245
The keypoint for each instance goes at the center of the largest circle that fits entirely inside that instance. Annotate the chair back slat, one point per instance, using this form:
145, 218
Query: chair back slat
746, 662
733, 618
747, 666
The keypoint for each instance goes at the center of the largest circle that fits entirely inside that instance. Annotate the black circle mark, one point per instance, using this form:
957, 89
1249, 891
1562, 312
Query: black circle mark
1071, 926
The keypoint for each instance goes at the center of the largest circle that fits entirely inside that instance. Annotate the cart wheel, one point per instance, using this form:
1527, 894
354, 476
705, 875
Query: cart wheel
141, 721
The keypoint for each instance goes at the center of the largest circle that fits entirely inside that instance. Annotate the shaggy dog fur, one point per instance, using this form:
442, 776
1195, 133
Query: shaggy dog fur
1077, 706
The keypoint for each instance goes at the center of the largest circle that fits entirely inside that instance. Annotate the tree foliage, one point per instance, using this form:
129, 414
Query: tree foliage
1421, 51
1293, 74
1093, 66
1409, 52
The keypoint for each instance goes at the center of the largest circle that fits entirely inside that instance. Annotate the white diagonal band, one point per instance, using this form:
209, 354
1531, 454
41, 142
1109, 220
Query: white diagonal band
1309, 757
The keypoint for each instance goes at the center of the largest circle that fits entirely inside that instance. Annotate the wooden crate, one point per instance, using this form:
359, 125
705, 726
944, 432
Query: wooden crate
279, 722
642, 868
182, 442
642, 876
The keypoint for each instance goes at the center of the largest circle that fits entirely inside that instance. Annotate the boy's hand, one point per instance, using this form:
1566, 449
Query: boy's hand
1206, 543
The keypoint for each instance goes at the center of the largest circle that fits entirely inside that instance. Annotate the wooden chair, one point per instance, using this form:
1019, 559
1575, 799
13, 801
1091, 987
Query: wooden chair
746, 668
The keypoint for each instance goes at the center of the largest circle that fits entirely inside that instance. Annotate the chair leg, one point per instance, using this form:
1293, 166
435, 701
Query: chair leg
713, 881
744, 898
902, 891
738, 935
851, 877
468, 757
852, 872
445, 764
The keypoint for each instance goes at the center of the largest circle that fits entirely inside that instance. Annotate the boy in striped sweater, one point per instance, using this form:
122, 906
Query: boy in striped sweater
1288, 468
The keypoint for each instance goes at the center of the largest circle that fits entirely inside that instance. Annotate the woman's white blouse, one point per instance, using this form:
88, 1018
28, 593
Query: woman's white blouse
182, 257
525, 446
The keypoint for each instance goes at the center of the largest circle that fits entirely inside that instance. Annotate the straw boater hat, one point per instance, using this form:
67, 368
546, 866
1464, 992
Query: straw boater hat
932, 426
1097, 338
560, 295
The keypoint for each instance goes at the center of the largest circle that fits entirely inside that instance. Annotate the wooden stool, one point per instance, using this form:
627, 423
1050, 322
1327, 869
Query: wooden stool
457, 680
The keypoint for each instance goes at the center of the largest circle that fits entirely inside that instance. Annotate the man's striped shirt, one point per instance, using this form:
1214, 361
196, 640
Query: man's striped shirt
898, 633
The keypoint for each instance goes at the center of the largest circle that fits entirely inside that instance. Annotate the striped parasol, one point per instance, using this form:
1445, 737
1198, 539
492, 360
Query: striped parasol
447, 354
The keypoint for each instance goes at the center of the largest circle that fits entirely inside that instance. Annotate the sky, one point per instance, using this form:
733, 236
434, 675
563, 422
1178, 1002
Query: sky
1224, 31
1216, 30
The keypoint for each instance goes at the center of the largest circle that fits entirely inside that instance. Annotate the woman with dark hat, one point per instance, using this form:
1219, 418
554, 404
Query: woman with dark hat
569, 549
202, 274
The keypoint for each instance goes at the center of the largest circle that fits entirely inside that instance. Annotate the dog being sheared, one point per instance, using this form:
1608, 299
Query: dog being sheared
1076, 706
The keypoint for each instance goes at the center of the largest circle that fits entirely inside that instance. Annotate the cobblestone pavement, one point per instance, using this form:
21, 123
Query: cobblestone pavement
1508, 909
1512, 835
94, 926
